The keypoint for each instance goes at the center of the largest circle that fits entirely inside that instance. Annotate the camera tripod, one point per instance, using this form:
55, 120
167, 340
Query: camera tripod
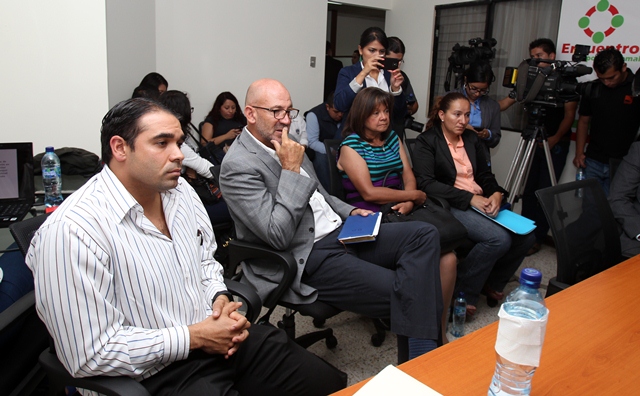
521, 165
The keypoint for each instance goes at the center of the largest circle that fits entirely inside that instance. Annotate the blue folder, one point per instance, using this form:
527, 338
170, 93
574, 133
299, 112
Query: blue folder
511, 221
360, 228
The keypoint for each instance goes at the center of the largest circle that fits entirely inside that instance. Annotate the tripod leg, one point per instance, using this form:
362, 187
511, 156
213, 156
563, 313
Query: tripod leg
523, 172
515, 163
547, 154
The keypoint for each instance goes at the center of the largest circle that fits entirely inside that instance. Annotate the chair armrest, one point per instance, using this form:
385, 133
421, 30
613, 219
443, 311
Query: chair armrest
110, 386
249, 295
240, 251
21, 308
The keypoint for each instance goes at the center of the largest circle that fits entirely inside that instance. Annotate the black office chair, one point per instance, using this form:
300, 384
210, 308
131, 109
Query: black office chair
335, 181
319, 311
410, 143
584, 231
57, 375
23, 336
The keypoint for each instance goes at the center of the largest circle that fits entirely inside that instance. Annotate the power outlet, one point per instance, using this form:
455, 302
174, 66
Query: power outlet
312, 61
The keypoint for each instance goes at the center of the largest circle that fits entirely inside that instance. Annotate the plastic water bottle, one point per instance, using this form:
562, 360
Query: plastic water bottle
526, 302
459, 315
579, 176
51, 180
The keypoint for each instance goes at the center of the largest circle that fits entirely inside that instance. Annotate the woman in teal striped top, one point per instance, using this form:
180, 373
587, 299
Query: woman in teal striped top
376, 171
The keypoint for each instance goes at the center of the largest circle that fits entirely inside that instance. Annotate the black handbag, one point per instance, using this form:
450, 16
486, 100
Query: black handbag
452, 231
207, 189
212, 153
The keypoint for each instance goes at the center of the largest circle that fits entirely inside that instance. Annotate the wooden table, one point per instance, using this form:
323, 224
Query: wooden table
592, 344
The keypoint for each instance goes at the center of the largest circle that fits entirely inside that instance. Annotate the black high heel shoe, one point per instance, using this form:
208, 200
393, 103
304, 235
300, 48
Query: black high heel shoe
493, 297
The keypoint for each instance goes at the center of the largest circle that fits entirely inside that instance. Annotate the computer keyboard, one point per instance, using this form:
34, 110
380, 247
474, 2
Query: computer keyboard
13, 209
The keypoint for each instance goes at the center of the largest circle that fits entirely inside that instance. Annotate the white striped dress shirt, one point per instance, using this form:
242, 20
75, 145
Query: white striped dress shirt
115, 293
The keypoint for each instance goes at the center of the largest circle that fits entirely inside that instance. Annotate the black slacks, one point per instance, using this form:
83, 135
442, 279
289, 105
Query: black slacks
396, 277
267, 363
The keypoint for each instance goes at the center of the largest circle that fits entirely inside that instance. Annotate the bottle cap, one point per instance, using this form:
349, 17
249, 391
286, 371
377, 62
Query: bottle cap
49, 149
530, 277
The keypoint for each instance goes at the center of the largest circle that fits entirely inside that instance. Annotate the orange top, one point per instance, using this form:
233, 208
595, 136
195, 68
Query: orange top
464, 170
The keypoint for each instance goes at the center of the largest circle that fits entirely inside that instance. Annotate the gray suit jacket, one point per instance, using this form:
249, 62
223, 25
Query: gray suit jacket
624, 197
271, 206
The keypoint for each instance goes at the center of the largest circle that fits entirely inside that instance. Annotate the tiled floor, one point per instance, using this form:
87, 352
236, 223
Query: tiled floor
359, 359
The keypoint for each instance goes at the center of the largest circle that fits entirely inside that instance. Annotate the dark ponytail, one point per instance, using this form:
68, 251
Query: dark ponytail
442, 103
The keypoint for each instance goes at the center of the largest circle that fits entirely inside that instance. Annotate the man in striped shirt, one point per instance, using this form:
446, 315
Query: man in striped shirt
127, 284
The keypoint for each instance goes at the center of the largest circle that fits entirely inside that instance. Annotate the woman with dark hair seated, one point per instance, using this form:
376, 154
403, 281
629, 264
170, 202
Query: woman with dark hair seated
152, 86
484, 118
450, 163
224, 122
155, 80
376, 171
193, 164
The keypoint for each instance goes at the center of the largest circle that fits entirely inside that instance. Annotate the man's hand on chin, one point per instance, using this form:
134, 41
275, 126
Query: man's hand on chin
290, 153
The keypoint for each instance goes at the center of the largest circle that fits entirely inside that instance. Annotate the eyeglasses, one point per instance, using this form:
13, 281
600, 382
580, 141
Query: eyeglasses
279, 114
478, 90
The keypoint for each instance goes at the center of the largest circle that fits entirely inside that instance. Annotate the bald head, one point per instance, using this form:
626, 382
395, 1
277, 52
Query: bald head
260, 90
263, 96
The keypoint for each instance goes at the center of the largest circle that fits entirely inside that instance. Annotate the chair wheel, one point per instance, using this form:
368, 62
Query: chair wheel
377, 340
331, 342
318, 323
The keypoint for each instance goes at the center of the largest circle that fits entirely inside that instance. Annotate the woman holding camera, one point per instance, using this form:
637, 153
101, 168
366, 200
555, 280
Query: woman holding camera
484, 119
370, 72
450, 163
376, 171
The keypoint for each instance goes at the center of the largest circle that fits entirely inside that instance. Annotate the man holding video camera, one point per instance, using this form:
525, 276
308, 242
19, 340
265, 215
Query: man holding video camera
557, 123
614, 115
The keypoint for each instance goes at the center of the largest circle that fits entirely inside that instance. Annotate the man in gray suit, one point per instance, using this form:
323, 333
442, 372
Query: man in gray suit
275, 198
624, 198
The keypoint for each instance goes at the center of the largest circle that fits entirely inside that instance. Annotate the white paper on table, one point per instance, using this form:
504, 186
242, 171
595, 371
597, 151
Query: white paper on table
393, 381
520, 340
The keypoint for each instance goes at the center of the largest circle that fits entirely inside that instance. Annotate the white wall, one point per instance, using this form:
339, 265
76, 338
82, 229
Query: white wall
131, 45
53, 72
205, 47
349, 28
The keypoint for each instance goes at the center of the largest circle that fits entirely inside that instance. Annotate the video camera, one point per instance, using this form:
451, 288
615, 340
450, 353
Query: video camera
478, 50
551, 85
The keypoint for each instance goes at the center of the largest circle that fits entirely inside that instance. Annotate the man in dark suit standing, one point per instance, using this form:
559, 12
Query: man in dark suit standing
275, 198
